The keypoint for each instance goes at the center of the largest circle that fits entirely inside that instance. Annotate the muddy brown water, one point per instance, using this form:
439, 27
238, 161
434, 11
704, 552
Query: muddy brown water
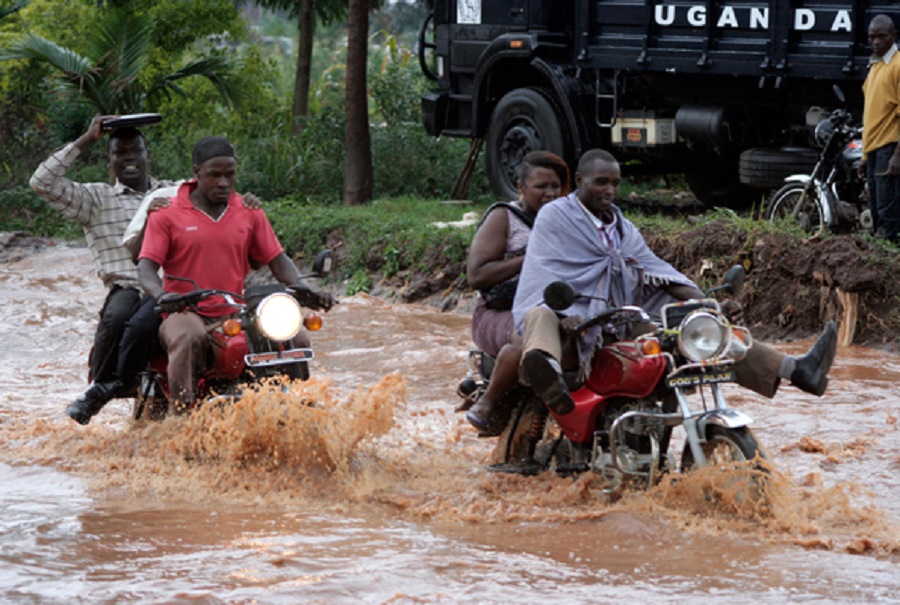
379, 494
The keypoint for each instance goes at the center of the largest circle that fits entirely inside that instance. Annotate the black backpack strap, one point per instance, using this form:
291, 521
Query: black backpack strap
528, 220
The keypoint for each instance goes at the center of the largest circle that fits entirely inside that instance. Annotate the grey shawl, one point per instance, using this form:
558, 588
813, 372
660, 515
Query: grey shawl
565, 245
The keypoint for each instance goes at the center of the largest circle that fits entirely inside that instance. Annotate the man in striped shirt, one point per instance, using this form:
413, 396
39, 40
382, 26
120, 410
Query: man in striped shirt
104, 211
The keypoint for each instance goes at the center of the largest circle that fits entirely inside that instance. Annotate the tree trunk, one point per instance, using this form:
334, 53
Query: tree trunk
358, 175
307, 27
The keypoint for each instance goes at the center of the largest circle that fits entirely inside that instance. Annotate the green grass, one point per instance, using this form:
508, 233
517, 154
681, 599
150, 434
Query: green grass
388, 236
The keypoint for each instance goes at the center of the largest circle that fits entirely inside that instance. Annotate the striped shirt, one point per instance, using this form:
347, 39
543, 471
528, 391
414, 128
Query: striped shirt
102, 210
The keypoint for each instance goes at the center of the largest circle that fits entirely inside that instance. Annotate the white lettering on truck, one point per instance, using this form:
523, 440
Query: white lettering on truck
753, 17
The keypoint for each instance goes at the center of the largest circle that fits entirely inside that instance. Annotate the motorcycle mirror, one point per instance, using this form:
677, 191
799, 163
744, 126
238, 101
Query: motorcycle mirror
734, 280
323, 264
839, 93
559, 295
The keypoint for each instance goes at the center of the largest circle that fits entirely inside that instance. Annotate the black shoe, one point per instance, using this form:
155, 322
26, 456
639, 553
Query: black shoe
98, 395
545, 376
80, 410
811, 372
489, 421
479, 415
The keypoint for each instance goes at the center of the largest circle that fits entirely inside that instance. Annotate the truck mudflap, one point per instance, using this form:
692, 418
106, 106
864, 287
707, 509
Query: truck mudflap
434, 112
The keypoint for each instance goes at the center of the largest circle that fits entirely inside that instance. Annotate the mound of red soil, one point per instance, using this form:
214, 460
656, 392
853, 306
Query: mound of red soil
792, 289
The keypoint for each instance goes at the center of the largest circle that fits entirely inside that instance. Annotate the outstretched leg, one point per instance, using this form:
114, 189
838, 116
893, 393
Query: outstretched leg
764, 366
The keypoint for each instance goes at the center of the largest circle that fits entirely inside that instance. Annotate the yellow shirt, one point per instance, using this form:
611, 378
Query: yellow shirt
881, 113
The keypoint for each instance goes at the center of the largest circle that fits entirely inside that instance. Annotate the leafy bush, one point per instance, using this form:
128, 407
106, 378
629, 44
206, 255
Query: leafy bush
396, 84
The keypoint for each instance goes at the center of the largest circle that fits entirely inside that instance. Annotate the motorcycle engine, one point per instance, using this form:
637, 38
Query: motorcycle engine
635, 446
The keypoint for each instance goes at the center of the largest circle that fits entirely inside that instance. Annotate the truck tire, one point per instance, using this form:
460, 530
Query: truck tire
766, 168
524, 120
715, 183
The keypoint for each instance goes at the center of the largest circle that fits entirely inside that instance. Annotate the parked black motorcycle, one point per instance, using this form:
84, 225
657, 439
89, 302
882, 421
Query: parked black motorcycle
832, 197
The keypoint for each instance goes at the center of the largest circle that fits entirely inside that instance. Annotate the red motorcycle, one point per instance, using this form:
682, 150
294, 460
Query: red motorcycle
636, 394
249, 346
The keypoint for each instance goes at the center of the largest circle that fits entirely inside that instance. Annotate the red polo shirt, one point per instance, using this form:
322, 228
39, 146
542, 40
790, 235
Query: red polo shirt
187, 242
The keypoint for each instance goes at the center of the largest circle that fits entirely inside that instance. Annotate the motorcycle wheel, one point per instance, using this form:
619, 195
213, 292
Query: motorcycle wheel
515, 451
790, 203
725, 446
730, 450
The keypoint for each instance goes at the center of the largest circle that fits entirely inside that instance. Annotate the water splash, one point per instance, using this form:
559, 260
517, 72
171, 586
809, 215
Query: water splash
268, 445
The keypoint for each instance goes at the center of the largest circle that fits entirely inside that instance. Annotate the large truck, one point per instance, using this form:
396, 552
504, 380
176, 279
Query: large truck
726, 92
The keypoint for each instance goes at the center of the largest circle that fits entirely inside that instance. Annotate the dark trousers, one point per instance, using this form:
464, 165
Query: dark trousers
140, 342
120, 305
884, 193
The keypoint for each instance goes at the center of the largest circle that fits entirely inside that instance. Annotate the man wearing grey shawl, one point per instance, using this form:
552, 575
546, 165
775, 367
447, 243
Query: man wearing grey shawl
585, 240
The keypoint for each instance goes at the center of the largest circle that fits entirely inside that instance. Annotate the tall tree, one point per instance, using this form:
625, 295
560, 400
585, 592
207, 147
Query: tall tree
358, 172
307, 12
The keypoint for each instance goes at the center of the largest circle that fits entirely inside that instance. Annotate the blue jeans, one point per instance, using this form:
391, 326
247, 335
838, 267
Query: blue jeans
884, 193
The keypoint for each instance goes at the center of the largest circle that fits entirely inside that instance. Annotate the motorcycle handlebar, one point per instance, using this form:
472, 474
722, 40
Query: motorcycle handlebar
636, 314
192, 298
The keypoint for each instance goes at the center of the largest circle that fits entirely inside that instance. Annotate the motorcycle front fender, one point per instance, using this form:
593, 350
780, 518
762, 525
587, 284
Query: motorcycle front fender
797, 178
726, 418
824, 195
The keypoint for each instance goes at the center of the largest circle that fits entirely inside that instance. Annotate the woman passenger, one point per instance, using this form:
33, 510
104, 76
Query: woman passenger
495, 260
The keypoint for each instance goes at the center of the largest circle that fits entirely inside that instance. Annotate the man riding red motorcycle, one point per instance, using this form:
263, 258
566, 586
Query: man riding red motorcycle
585, 240
207, 236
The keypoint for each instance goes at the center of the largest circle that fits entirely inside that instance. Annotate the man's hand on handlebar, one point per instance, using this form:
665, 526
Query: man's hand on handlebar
169, 302
313, 299
733, 311
570, 324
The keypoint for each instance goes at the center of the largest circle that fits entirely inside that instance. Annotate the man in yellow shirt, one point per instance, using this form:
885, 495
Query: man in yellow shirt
881, 128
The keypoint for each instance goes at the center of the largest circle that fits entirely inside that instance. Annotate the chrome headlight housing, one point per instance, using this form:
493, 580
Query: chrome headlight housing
702, 335
278, 317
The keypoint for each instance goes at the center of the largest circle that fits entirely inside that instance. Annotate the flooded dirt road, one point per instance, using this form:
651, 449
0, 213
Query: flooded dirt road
379, 494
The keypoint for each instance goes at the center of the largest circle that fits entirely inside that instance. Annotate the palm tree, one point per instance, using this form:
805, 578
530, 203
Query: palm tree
117, 53
8, 7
